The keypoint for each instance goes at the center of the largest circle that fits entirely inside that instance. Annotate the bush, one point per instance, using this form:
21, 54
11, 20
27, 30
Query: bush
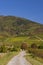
33, 45
24, 46
3, 48
40, 47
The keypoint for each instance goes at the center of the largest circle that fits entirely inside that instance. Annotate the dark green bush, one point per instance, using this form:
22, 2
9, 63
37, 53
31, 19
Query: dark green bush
34, 45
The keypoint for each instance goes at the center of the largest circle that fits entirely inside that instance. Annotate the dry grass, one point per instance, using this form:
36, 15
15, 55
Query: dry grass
2, 54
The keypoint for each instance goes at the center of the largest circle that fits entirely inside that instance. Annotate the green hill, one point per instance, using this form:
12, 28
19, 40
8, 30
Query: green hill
15, 26
16, 33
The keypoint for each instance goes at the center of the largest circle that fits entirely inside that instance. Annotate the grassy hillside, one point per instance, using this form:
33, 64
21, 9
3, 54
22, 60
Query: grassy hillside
18, 30
15, 31
15, 26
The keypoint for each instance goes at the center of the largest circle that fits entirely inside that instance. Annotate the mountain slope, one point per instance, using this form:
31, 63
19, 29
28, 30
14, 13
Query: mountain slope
11, 25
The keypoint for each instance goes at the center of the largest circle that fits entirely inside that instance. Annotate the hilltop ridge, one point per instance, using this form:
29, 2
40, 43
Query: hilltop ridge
16, 26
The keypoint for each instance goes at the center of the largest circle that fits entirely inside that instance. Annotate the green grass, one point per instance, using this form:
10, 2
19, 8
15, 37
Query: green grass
16, 39
21, 39
4, 60
40, 35
33, 60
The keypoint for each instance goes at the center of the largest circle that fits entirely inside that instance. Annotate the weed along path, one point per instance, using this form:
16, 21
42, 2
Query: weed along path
19, 60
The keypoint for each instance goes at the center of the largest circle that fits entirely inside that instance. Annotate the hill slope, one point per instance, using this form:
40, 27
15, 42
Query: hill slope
11, 25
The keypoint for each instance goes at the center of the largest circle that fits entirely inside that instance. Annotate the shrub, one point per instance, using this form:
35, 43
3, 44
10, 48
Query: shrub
33, 45
40, 47
24, 46
3, 48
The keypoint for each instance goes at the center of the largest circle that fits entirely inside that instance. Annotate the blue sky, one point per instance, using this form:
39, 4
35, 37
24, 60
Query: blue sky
30, 9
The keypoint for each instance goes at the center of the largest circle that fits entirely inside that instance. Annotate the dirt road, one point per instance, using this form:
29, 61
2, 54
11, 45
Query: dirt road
19, 59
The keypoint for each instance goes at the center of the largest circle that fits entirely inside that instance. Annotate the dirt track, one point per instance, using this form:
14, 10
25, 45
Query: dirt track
19, 60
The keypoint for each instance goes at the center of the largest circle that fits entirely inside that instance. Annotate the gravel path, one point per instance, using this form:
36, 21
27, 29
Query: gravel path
19, 60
